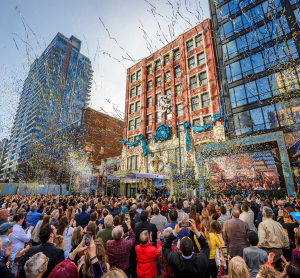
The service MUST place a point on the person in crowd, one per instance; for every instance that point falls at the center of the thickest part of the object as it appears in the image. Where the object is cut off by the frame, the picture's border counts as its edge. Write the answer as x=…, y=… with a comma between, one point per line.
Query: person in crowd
x=248, y=216
x=106, y=234
x=166, y=270
x=145, y=225
x=59, y=243
x=146, y=255
x=181, y=212
x=82, y=219
x=204, y=215
x=237, y=268
x=18, y=236
x=260, y=214
x=296, y=251
x=6, y=229
x=188, y=263
x=137, y=214
x=118, y=250
x=76, y=237
x=255, y=209
x=101, y=221
x=235, y=234
x=254, y=256
x=36, y=266
x=132, y=214
x=225, y=214
x=33, y=216
x=46, y=220
x=186, y=207
x=193, y=214
x=159, y=221
x=4, y=213
x=65, y=229
x=54, y=218
x=35, y=234
x=272, y=237
x=70, y=213
x=55, y=255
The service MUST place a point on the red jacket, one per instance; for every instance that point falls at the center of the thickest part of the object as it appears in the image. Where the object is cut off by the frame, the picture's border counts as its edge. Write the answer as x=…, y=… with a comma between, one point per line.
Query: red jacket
x=146, y=256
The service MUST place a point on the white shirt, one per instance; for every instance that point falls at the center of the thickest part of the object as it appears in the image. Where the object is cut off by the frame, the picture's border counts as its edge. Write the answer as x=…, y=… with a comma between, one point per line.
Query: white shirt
x=18, y=238
x=67, y=234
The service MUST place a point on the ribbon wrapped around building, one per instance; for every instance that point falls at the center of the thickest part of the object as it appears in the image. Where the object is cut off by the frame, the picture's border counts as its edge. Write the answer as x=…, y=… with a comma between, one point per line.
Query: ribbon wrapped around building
x=136, y=143
x=162, y=132
x=199, y=129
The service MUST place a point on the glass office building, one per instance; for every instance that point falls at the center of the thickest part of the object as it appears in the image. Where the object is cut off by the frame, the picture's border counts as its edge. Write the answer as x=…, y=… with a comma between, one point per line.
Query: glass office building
x=54, y=93
x=257, y=48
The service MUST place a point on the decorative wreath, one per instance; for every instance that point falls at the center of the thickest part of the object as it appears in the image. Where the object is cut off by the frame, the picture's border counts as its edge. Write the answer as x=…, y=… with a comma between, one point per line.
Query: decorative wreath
x=162, y=132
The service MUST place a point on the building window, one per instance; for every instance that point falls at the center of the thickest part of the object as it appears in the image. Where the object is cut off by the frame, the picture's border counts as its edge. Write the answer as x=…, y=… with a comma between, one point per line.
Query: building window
x=176, y=54
x=138, y=90
x=137, y=123
x=189, y=45
x=158, y=117
x=167, y=76
x=157, y=98
x=191, y=63
x=132, y=78
x=157, y=81
x=149, y=119
x=132, y=92
x=206, y=120
x=179, y=109
x=195, y=103
x=131, y=108
x=149, y=70
x=157, y=65
x=139, y=75
x=149, y=102
x=149, y=138
x=169, y=114
x=177, y=72
x=167, y=60
x=193, y=82
x=149, y=85
x=180, y=130
x=199, y=40
x=203, y=78
x=205, y=100
x=130, y=140
x=197, y=122
x=168, y=93
x=133, y=162
x=201, y=58
x=131, y=125
x=137, y=106
x=178, y=91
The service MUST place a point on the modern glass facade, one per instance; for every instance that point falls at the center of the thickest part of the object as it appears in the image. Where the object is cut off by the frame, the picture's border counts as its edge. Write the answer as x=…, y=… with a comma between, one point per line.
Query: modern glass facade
x=257, y=48
x=54, y=93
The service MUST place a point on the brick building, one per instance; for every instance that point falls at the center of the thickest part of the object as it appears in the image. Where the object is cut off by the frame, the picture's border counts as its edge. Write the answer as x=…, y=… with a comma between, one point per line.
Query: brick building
x=176, y=84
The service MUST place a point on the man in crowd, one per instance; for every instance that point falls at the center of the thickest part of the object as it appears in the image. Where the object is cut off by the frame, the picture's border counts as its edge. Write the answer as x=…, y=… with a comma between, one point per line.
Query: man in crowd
x=225, y=214
x=118, y=250
x=54, y=218
x=186, y=207
x=6, y=229
x=188, y=263
x=33, y=215
x=248, y=216
x=159, y=221
x=235, y=232
x=181, y=212
x=137, y=214
x=3, y=216
x=36, y=266
x=82, y=218
x=106, y=234
x=55, y=255
x=272, y=237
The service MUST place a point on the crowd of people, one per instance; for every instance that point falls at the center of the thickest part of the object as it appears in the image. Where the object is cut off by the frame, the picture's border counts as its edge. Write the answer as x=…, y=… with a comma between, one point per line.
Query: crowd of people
x=90, y=237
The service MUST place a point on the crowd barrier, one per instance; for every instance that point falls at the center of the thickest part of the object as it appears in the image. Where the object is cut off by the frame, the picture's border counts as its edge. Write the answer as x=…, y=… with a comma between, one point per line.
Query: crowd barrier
x=32, y=189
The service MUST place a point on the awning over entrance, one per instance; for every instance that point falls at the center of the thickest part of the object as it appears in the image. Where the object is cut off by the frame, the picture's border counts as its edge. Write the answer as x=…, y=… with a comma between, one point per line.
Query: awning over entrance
x=138, y=177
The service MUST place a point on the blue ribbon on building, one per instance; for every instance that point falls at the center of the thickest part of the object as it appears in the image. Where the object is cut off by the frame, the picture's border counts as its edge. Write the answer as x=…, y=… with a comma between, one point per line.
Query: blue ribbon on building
x=199, y=129
x=136, y=143
x=162, y=132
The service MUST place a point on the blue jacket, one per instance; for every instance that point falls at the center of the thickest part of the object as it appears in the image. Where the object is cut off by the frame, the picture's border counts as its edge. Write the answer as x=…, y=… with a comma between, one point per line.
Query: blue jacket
x=184, y=232
x=82, y=219
x=115, y=212
x=137, y=217
x=32, y=218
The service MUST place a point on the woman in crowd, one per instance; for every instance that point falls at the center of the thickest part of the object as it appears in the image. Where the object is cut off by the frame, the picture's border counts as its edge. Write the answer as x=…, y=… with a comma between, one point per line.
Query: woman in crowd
x=35, y=234
x=60, y=243
x=66, y=230
x=46, y=220
x=76, y=236
x=204, y=215
x=194, y=215
x=70, y=213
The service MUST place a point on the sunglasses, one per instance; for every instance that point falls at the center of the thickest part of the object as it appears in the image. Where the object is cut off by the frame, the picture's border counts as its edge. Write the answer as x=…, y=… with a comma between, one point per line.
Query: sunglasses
x=47, y=260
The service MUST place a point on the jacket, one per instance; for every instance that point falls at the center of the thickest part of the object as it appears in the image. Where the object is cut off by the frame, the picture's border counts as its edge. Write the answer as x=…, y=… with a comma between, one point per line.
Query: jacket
x=146, y=256
x=159, y=221
x=142, y=226
x=184, y=232
x=105, y=234
x=193, y=267
x=54, y=254
x=235, y=233
x=82, y=219
x=249, y=218
x=32, y=218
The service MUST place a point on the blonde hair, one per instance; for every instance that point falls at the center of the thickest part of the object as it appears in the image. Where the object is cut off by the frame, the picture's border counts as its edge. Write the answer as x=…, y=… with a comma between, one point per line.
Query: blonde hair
x=71, y=213
x=75, y=236
x=205, y=224
x=204, y=214
x=115, y=273
x=59, y=241
x=237, y=268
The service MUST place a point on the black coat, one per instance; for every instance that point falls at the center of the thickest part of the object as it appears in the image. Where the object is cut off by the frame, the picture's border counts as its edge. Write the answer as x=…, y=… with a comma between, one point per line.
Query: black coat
x=54, y=254
x=195, y=267
x=82, y=219
x=142, y=226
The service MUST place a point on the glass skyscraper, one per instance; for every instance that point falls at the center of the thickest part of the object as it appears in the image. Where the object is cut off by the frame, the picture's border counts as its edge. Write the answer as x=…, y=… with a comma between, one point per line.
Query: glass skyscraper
x=54, y=93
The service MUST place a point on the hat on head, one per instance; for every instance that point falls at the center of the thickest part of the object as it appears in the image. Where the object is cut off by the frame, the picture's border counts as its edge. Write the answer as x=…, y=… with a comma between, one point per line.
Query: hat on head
x=5, y=226
x=252, y=236
x=164, y=208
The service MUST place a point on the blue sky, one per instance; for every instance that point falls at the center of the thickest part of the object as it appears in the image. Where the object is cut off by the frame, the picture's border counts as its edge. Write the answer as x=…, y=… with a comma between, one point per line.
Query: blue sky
x=124, y=20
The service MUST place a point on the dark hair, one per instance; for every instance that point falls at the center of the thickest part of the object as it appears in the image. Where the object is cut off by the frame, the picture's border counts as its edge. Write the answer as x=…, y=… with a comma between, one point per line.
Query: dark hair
x=193, y=213
x=46, y=220
x=223, y=210
x=245, y=207
x=91, y=228
x=179, y=205
x=93, y=216
x=122, y=218
x=186, y=246
x=132, y=213
x=173, y=215
x=105, y=213
x=156, y=211
x=17, y=217
x=45, y=233
x=41, y=217
x=62, y=224
x=144, y=215
x=84, y=208
x=252, y=204
x=144, y=205
x=292, y=270
x=199, y=208
x=116, y=220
